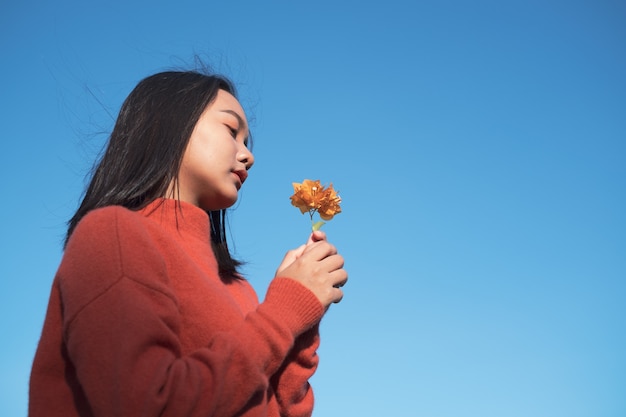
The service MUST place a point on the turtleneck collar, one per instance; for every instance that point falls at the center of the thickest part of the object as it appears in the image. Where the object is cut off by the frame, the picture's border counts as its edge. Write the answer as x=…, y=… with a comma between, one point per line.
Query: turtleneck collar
x=183, y=217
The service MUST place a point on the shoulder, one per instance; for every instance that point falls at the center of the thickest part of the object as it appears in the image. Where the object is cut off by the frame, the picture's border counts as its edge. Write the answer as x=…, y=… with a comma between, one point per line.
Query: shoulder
x=108, y=245
x=105, y=223
x=108, y=234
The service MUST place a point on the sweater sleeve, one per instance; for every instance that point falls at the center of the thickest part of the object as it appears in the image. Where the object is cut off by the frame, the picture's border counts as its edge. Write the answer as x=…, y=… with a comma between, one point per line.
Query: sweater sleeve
x=122, y=322
x=291, y=382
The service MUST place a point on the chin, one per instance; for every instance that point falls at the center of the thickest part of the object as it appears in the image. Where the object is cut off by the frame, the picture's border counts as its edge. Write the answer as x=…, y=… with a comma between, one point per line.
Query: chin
x=214, y=205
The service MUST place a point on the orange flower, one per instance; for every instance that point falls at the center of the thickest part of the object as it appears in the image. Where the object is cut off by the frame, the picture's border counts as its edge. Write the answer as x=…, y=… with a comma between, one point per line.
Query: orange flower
x=311, y=197
x=329, y=204
x=306, y=195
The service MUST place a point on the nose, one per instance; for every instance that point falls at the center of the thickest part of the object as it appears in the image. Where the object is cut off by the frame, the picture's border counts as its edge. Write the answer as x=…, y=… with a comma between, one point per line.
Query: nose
x=245, y=156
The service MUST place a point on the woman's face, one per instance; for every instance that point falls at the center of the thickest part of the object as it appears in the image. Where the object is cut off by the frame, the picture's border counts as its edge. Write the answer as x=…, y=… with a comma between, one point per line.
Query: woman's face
x=216, y=161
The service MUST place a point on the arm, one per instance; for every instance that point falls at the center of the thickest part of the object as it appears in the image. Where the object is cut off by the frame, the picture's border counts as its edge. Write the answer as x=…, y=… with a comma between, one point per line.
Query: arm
x=291, y=382
x=121, y=332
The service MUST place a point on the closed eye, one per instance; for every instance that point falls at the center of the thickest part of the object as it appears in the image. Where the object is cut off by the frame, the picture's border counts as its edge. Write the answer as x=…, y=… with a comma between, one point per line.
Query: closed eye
x=233, y=131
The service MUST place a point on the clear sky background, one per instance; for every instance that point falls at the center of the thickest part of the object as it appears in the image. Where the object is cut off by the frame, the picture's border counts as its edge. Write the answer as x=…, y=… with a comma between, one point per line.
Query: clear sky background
x=479, y=147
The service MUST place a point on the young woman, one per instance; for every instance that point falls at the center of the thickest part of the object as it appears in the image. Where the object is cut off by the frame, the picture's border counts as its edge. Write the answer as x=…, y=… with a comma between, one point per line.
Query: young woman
x=148, y=315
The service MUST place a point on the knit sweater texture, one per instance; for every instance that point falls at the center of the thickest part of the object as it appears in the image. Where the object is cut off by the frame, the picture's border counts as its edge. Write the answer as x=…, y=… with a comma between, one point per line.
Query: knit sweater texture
x=139, y=323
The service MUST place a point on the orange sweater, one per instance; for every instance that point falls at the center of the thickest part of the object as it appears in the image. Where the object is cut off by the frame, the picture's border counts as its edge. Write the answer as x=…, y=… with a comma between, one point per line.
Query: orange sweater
x=140, y=324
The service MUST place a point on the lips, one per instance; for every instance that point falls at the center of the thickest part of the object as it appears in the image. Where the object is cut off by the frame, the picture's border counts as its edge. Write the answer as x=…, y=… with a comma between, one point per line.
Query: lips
x=242, y=174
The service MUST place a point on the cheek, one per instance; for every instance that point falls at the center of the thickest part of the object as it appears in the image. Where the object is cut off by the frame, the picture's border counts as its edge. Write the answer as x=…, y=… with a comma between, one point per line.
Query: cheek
x=198, y=154
x=193, y=166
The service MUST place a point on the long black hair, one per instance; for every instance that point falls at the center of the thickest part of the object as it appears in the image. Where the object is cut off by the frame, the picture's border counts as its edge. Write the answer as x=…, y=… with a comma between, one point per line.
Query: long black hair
x=146, y=147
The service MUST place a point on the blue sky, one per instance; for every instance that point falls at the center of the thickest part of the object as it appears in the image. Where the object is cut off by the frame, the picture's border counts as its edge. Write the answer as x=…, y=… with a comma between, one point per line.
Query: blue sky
x=479, y=147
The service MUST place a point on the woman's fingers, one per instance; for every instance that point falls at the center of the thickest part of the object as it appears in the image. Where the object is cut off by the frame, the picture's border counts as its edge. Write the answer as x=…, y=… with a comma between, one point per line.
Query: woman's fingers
x=290, y=257
x=319, y=267
x=338, y=277
x=319, y=250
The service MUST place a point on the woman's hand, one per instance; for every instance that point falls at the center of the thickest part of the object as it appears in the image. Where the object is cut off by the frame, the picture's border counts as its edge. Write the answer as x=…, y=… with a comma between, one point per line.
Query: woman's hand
x=317, y=266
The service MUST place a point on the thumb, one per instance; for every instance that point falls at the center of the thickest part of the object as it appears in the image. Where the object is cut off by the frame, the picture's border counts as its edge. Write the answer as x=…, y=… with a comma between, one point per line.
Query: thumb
x=316, y=236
